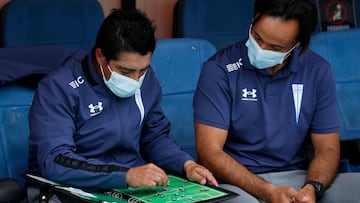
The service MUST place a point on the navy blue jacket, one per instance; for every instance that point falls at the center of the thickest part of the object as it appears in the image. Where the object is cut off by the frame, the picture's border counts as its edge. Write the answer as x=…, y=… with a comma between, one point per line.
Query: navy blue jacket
x=83, y=135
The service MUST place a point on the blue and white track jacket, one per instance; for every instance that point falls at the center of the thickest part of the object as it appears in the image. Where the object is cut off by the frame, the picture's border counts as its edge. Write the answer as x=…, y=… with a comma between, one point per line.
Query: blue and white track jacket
x=81, y=134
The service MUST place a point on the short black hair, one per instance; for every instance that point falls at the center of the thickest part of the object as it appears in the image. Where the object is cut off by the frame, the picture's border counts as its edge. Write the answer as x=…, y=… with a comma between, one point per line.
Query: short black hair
x=125, y=30
x=304, y=11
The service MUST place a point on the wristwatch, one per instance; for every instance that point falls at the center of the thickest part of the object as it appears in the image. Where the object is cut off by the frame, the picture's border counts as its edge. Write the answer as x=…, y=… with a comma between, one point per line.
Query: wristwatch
x=319, y=188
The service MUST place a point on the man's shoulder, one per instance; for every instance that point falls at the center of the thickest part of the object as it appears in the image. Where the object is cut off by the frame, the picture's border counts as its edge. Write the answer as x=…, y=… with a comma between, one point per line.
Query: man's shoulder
x=230, y=52
x=230, y=58
x=64, y=74
x=310, y=57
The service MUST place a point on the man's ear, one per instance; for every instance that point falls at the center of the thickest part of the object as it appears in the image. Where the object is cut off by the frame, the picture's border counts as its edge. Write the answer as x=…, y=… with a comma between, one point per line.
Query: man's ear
x=100, y=58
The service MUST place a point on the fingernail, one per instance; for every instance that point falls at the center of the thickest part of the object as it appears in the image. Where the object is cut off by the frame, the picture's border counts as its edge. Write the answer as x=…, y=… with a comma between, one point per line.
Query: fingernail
x=305, y=198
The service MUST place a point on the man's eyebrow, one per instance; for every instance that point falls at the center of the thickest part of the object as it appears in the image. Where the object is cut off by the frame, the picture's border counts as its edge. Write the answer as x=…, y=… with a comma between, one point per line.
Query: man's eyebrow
x=256, y=34
x=124, y=68
x=129, y=69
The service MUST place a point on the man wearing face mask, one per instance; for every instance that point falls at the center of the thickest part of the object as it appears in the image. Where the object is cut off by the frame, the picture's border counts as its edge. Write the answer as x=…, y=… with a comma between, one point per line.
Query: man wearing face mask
x=258, y=99
x=97, y=122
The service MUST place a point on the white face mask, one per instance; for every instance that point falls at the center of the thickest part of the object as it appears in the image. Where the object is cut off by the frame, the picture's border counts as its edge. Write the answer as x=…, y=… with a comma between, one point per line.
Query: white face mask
x=120, y=85
x=261, y=58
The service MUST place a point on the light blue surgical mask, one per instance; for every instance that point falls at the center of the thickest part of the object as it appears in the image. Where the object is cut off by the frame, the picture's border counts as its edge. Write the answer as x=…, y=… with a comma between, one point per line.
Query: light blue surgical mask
x=262, y=58
x=120, y=85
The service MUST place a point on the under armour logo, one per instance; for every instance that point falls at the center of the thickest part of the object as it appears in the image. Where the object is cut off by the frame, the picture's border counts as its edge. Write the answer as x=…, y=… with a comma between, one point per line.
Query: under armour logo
x=249, y=94
x=95, y=109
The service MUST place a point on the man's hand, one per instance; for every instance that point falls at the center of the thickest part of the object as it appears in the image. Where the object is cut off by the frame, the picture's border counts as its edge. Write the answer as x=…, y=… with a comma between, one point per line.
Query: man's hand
x=282, y=194
x=287, y=194
x=198, y=173
x=306, y=195
x=148, y=175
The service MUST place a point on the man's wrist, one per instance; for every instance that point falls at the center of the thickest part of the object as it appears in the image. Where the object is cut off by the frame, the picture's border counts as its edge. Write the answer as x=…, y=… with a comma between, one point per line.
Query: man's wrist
x=318, y=188
x=189, y=164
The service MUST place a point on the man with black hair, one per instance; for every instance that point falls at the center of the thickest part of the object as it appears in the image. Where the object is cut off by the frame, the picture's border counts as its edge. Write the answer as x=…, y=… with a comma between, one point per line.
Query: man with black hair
x=97, y=122
x=258, y=99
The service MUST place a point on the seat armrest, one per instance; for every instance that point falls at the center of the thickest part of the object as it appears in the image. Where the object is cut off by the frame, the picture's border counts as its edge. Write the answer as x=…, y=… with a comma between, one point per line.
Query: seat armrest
x=10, y=190
x=350, y=149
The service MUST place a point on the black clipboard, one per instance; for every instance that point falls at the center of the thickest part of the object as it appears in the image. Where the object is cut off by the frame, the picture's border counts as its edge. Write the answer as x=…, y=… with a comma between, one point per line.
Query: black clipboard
x=179, y=191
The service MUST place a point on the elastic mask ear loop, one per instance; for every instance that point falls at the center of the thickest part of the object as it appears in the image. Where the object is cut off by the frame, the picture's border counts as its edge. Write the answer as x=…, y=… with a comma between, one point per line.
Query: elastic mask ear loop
x=108, y=67
x=102, y=70
x=289, y=52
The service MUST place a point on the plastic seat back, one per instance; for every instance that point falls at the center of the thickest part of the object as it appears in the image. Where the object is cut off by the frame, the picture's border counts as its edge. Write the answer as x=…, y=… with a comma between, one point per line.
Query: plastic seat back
x=177, y=63
x=341, y=49
x=14, y=130
x=55, y=22
x=20, y=70
x=220, y=22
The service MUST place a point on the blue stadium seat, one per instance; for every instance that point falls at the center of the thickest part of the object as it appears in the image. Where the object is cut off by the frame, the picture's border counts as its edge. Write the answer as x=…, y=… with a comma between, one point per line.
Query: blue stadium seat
x=14, y=130
x=177, y=63
x=55, y=22
x=220, y=22
x=20, y=70
x=341, y=49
